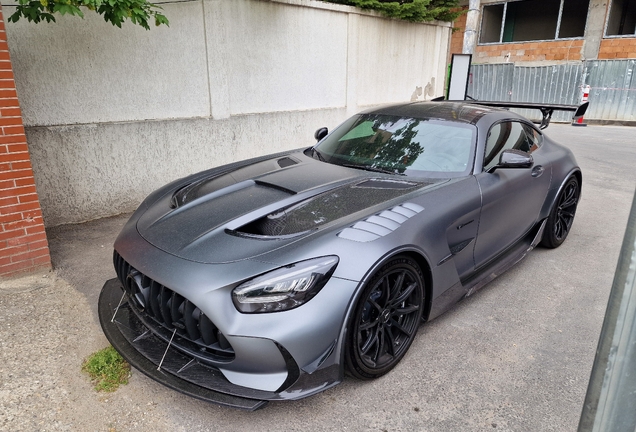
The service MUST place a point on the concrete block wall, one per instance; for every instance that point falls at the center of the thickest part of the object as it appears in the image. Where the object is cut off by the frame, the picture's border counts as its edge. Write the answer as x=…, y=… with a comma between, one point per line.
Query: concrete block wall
x=111, y=114
x=23, y=243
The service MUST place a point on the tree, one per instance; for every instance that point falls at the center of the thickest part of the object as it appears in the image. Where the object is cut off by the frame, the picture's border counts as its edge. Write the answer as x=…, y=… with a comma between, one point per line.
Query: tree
x=114, y=11
x=409, y=10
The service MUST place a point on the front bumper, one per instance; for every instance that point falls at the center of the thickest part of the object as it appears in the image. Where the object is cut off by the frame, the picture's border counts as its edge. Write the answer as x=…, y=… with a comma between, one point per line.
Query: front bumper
x=162, y=362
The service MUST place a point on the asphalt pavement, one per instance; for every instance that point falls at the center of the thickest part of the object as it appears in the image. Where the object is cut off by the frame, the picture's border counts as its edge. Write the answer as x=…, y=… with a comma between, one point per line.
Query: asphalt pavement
x=516, y=356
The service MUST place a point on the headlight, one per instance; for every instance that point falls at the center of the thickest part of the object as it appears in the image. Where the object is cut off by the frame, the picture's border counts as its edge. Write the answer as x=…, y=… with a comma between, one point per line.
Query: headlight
x=284, y=288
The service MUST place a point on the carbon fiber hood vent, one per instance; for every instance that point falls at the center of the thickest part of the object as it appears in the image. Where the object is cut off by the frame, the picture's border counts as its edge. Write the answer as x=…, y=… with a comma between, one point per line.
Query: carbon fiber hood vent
x=328, y=207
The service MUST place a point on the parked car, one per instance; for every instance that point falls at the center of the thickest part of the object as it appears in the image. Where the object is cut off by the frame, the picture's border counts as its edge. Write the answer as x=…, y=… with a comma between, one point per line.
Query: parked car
x=267, y=279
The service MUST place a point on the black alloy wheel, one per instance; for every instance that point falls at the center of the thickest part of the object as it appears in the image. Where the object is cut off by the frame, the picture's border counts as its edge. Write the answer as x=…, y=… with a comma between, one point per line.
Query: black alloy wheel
x=386, y=319
x=562, y=215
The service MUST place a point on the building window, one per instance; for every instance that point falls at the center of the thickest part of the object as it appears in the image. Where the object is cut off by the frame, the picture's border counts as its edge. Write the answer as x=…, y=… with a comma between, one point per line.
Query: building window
x=622, y=18
x=529, y=20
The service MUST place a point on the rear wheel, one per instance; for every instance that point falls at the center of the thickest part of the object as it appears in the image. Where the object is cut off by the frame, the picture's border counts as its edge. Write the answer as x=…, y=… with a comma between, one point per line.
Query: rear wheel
x=385, y=319
x=562, y=215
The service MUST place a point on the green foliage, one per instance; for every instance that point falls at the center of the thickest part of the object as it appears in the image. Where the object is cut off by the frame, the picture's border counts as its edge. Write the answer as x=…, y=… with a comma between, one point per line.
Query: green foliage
x=113, y=11
x=409, y=10
x=107, y=369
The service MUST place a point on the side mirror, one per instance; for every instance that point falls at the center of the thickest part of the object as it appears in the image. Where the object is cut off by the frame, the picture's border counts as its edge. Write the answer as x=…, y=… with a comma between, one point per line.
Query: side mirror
x=513, y=159
x=321, y=133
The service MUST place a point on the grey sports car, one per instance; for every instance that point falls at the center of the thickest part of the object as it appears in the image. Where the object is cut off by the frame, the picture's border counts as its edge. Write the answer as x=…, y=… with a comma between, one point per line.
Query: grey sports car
x=267, y=279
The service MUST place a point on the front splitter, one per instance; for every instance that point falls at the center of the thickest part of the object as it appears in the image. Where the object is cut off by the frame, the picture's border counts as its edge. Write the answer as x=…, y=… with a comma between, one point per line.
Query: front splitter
x=109, y=309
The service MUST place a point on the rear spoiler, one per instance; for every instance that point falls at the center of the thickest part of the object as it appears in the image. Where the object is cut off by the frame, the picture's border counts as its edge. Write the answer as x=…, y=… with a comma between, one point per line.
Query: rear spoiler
x=546, y=109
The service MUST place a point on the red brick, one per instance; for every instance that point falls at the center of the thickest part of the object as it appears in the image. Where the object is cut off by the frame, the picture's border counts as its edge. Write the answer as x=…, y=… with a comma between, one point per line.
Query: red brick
x=40, y=235
x=20, y=166
x=27, y=180
x=10, y=102
x=7, y=84
x=17, y=148
x=28, y=198
x=16, y=268
x=12, y=139
x=10, y=112
x=7, y=93
x=43, y=260
x=38, y=245
x=8, y=201
x=10, y=121
x=4, y=149
x=14, y=157
x=6, y=75
x=6, y=219
x=36, y=230
x=5, y=65
x=33, y=214
x=4, y=56
x=10, y=236
x=18, y=208
x=29, y=255
x=15, y=175
x=7, y=184
x=5, y=261
x=23, y=223
x=13, y=130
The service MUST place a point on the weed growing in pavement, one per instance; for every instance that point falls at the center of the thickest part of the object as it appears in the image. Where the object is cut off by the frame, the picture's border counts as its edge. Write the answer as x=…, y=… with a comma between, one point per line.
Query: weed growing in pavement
x=107, y=369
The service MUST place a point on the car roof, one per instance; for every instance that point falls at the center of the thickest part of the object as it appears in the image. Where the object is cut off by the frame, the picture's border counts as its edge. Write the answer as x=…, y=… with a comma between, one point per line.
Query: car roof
x=463, y=112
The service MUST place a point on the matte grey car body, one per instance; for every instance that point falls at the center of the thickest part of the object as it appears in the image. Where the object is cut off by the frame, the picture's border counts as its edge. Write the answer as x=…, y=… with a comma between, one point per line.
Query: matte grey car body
x=189, y=256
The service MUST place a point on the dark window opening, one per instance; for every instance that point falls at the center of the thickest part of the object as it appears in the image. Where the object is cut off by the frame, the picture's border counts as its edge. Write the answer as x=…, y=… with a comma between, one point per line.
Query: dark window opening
x=531, y=20
x=622, y=18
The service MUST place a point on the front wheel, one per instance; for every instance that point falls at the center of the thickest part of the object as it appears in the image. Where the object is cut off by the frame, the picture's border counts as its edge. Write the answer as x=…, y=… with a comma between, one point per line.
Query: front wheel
x=385, y=320
x=562, y=215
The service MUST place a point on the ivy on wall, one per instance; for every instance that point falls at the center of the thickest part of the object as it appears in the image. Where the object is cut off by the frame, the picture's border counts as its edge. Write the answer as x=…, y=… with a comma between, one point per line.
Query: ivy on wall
x=409, y=10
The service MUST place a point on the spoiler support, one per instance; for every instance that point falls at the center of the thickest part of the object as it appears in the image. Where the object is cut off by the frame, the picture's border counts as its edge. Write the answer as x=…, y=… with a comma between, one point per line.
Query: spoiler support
x=546, y=109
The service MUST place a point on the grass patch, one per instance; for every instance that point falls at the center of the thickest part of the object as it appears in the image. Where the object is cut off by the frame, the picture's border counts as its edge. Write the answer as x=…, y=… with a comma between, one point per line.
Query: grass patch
x=107, y=369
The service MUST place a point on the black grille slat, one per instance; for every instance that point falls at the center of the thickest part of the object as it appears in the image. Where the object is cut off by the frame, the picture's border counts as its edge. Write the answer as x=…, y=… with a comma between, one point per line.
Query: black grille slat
x=156, y=303
x=208, y=330
x=166, y=297
x=155, y=292
x=191, y=321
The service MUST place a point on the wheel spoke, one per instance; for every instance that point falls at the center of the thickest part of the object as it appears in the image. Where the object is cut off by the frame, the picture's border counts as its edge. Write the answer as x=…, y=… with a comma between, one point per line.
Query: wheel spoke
x=391, y=345
x=397, y=286
x=402, y=297
x=406, y=310
x=381, y=347
x=371, y=341
x=399, y=326
x=368, y=325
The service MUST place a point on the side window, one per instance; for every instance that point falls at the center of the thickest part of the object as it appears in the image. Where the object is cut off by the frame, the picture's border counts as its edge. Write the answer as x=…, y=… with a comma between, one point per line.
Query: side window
x=509, y=135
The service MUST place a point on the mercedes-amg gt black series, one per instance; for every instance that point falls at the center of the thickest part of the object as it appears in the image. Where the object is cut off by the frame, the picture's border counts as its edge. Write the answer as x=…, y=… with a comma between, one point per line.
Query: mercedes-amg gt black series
x=267, y=279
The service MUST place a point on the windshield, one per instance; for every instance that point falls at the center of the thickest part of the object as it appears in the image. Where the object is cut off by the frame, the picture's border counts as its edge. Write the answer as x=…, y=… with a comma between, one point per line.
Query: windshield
x=401, y=145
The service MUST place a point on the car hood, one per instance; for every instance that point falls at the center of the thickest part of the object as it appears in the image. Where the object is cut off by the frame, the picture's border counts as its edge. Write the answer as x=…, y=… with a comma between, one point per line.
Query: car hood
x=241, y=213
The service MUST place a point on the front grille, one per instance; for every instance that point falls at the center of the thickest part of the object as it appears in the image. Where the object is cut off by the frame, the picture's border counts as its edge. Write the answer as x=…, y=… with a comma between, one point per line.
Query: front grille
x=163, y=310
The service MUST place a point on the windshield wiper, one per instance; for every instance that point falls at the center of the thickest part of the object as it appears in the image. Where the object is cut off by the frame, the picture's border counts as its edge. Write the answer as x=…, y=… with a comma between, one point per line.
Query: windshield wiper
x=317, y=154
x=371, y=168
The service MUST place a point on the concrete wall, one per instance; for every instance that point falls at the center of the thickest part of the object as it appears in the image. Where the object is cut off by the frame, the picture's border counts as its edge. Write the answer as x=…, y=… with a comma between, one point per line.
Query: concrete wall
x=111, y=114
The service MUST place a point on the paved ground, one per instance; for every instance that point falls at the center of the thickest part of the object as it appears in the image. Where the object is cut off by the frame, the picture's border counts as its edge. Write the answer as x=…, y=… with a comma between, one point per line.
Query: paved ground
x=515, y=357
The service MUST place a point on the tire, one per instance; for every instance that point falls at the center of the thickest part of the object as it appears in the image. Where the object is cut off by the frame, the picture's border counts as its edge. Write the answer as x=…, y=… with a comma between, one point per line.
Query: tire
x=562, y=215
x=385, y=319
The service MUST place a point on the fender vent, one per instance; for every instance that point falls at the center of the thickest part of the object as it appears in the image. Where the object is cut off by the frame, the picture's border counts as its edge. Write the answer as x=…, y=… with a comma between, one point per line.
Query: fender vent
x=381, y=224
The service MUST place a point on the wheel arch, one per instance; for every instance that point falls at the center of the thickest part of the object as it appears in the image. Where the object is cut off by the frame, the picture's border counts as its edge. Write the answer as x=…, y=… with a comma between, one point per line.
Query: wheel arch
x=551, y=199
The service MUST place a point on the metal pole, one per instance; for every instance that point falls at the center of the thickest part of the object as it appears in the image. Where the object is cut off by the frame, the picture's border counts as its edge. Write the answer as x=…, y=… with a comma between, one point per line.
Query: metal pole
x=610, y=403
x=472, y=24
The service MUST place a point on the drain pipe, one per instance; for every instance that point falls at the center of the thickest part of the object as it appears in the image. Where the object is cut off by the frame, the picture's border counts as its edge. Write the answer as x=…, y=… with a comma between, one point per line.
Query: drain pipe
x=472, y=23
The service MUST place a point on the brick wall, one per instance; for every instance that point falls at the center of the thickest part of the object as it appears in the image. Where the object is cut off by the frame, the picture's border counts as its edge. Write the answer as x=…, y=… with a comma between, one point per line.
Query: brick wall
x=618, y=48
x=457, y=38
x=518, y=52
x=23, y=244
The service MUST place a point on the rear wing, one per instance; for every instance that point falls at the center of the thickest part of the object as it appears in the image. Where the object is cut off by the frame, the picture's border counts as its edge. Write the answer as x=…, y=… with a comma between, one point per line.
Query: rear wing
x=546, y=109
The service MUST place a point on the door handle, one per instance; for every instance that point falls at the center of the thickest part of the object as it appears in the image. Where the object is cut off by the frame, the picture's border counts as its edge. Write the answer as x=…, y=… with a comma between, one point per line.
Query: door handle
x=537, y=171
